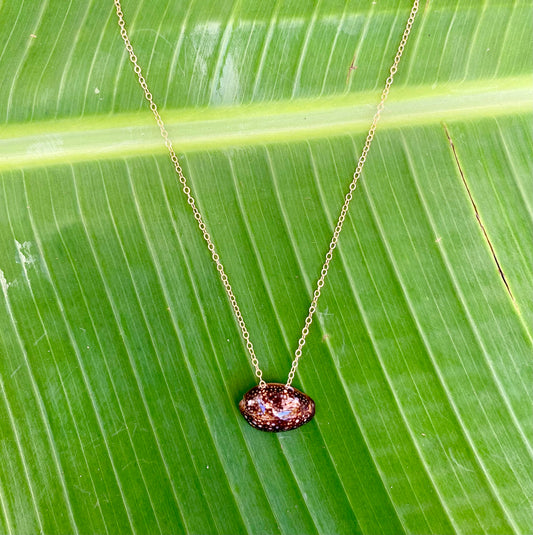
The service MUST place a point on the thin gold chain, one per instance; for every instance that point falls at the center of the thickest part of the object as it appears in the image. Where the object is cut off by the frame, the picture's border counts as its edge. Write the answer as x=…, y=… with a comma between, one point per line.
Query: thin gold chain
x=198, y=216
x=348, y=196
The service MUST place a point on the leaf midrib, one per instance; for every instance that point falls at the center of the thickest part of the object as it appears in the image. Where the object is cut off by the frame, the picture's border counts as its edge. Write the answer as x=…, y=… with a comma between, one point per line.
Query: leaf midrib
x=195, y=129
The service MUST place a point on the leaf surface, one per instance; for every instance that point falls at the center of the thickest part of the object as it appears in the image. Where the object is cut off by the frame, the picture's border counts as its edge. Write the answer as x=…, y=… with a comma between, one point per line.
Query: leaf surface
x=122, y=364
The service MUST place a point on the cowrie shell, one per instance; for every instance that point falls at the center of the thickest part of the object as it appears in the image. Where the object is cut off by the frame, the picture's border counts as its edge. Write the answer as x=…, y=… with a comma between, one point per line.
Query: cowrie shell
x=276, y=407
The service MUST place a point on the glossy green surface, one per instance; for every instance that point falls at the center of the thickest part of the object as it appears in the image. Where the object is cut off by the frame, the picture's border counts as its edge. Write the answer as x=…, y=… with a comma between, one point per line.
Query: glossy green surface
x=121, y=363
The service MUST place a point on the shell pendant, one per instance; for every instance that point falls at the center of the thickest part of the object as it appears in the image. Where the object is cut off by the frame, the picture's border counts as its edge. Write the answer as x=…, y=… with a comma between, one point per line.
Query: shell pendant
x=276, y=407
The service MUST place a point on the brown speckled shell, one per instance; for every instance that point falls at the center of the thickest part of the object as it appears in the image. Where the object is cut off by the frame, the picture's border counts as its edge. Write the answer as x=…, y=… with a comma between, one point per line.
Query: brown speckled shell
x=276, y=407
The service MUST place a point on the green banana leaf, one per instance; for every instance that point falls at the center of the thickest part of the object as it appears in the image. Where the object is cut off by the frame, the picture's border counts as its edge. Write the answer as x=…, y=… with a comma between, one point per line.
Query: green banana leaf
x=121, y=361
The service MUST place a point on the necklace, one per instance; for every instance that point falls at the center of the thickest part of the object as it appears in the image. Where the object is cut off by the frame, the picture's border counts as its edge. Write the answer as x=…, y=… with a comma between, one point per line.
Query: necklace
x=270, y=406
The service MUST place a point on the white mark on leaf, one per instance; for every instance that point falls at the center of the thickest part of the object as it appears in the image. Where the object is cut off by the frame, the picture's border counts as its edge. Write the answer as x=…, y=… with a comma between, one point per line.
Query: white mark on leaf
x=228, y=88
x=325, y=314
x=457, y=463
x=39, y=339
x=4, y=284
x=204, y=39
x=25, y=257
x=49, y=144
x=15, y=370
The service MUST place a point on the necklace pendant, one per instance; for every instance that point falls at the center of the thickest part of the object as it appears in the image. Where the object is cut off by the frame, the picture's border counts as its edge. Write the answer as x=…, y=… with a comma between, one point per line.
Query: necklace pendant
x=276, y=407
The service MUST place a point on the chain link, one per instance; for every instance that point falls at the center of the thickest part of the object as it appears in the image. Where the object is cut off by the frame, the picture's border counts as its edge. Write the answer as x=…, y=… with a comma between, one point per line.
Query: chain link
x=198, y=216
x=187, y=191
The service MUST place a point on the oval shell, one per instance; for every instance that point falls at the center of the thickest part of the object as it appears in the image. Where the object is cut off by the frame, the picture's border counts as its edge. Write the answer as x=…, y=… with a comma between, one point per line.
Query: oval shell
x=276, y=407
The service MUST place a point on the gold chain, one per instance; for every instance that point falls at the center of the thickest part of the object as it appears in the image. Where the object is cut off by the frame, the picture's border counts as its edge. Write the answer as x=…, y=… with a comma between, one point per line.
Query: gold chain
x=348, y=196
x=198, y=216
